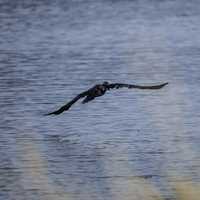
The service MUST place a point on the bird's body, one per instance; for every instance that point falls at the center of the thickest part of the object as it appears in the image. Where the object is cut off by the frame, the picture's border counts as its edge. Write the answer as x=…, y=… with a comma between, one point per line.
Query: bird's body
x=99, y=90
x=96, y=91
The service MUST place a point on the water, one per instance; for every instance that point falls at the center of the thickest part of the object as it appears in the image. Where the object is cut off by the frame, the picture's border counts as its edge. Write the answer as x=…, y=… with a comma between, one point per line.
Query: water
x=120, y=143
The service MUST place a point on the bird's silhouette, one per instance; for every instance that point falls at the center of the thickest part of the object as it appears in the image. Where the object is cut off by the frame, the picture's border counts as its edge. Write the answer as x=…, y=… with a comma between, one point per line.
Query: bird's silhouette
x=99, y=90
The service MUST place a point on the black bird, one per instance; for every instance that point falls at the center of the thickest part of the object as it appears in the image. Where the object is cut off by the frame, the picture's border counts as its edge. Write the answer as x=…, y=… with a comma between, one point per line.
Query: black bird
x=99, y=90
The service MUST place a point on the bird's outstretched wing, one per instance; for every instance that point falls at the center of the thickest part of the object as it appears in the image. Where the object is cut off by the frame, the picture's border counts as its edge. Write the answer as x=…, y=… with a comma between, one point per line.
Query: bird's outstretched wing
x=68, y=105
x=148, y=87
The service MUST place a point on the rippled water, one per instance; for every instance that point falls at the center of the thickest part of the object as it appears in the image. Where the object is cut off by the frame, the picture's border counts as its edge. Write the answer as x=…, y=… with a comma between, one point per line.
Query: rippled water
x=127, y=140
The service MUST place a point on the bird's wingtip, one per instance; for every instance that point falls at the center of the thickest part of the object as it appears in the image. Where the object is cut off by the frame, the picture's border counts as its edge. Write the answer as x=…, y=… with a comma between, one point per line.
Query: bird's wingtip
x=47, y=114
x=57, y=112
x=51, y=113
x=164, y=84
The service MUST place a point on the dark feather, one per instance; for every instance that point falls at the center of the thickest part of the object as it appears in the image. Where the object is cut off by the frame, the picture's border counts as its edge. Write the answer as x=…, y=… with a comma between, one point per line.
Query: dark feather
x=88, y=98
x=100, y=90
x=68, y=105
x=121, y=85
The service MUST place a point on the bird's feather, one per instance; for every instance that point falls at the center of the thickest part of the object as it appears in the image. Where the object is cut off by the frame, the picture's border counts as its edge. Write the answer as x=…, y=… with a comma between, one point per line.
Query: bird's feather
x=88, y=98
x=68, y=105
x=97, y=91
x=148, y=87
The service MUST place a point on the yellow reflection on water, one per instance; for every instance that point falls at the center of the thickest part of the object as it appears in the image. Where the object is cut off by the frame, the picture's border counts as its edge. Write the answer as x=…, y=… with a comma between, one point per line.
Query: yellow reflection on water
x=187, y=191
x=35, y=177
x=35, y=173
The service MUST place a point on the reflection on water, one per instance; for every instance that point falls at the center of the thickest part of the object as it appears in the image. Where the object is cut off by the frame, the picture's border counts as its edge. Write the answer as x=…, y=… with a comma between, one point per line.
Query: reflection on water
x=120, y=143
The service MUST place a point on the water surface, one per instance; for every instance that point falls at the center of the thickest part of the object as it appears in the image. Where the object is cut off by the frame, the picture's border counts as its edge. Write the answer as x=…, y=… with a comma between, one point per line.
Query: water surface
x=124, y=141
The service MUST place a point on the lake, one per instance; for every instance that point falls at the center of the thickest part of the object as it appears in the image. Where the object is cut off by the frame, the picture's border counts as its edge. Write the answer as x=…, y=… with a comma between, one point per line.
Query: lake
x=127, y=144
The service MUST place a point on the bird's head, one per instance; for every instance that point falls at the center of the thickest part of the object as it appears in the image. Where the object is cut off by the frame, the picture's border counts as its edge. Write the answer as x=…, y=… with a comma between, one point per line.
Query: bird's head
x=105, y=83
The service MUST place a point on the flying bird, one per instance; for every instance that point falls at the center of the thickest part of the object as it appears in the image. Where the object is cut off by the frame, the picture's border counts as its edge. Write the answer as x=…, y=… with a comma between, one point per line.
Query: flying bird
x=99, y=90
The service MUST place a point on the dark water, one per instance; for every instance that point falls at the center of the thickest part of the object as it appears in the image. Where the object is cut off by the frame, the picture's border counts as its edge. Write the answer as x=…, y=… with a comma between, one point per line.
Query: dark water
x=120, y=143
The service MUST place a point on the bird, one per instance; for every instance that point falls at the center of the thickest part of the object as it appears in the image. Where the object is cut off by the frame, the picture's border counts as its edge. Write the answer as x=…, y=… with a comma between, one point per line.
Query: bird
x=99, y=90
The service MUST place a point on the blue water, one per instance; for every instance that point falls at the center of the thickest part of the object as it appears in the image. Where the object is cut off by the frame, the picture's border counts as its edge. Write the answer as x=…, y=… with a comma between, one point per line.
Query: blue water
x=51, y=51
